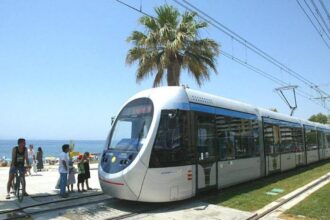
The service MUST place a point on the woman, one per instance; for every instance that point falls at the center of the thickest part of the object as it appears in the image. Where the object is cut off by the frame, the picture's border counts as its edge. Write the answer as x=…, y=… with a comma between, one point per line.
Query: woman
x=40, y=164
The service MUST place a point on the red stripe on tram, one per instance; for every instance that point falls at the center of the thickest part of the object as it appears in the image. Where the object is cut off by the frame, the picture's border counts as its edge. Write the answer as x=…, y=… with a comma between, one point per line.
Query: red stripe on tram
x=113, y=183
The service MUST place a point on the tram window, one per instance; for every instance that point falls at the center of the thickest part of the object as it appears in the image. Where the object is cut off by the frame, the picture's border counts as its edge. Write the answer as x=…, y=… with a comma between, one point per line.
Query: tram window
x=282, y=138
x=321, y=138
x=297, y=136
x=271, y=138
x=325, y=141
x=237, y=137
x=328, y=139
x=132, y=126
x=291, y=139
x=311, y=139
x=205, y=142
x=171, y=146
x=286, y=139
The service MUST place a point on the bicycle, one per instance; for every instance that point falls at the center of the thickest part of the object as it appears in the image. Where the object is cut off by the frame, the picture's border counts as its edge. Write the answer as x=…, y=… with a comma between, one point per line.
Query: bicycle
x=17, y=185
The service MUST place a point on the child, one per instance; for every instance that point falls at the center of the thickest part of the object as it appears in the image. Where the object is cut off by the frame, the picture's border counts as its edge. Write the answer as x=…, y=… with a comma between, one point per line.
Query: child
x=81, y=173
x=71, y=177
x=87, y=170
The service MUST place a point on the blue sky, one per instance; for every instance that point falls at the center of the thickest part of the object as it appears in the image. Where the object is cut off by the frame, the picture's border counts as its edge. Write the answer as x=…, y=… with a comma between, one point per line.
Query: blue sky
x=63, y=72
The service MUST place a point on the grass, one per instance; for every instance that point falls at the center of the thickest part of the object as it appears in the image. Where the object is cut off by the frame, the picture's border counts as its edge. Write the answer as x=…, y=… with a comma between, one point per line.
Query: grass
x=316, y=206
x=252, y=196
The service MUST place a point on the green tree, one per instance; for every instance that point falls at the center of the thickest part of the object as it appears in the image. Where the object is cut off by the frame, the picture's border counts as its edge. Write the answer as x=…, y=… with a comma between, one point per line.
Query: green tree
x=273, y=109
x=171, y=43
x=320, y=118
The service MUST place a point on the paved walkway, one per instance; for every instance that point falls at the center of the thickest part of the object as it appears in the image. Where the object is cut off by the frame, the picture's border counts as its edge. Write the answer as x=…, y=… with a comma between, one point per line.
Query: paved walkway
x=40, y=184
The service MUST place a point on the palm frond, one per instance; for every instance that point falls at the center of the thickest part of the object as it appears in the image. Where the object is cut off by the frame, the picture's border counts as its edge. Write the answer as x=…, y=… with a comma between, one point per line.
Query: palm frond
x=170, y=43
x=167, y=14
x=149, y=23
x=137, y=38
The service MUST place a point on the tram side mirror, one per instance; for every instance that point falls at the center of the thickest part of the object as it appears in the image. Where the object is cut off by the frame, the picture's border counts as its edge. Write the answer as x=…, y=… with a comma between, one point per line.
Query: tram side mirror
x=113, y=119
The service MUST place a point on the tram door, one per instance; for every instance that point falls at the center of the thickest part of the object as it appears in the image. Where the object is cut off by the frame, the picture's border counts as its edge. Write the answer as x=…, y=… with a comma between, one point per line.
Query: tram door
x=272, y=147
x=205, y=133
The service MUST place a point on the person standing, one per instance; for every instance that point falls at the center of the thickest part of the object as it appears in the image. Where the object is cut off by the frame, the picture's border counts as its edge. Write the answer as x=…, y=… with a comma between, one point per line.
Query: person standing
x=40, y=163
x=81, y=174
x=63, y=170
x=19, y=159
x=31, y=157
x=87, y=169
x=71, y=174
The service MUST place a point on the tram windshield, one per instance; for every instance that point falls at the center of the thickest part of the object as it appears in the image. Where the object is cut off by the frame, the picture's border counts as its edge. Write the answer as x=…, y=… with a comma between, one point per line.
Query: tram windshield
x=132, y=126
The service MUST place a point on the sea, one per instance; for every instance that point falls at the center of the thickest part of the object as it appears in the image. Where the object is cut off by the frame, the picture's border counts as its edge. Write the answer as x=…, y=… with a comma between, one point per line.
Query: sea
x=52, y=148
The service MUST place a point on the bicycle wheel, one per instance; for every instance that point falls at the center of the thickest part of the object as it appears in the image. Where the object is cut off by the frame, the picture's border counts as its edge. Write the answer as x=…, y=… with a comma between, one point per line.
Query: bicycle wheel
x=13, y=186
x=19, y=188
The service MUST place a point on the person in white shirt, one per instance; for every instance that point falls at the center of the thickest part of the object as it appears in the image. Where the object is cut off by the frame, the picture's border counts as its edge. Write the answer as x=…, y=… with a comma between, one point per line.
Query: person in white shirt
x=63, y=170
x=31, y=157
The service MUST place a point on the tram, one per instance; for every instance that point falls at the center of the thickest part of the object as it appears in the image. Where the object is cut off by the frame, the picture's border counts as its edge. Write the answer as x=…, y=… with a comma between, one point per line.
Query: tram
x=171, y=143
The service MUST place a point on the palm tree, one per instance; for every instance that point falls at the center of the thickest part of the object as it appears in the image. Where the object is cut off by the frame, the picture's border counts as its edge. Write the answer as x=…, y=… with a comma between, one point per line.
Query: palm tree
x=170, y=44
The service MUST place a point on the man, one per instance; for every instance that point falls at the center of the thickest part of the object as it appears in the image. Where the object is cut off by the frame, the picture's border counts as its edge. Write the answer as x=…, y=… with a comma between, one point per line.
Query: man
x=19, y=159
x=63, y=170
x=31, y=157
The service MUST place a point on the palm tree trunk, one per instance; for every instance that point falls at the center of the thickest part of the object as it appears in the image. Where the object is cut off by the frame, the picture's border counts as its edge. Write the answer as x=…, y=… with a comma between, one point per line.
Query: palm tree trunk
x=173, y=74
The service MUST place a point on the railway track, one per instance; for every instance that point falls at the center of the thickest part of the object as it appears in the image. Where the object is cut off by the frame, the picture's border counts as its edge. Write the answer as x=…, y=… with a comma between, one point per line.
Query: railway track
x=285, y=201
x=42, y=207
x=52, y=202
x=113, y=209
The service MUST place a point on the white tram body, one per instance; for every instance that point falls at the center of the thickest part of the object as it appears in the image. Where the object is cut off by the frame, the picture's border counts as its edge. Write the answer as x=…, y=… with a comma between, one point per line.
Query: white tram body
x=170, y=143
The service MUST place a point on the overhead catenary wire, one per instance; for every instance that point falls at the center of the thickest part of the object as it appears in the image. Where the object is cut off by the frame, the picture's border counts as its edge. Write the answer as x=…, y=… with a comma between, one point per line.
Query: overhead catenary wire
x=325, y=10
x=253, y=68
x=243, y=41
x=311, y=21
x=244, y=63
x=238, y=38
x=226, y=54
x=135, y=9
x=318, y=21
x=268, y=76
x=320, y=16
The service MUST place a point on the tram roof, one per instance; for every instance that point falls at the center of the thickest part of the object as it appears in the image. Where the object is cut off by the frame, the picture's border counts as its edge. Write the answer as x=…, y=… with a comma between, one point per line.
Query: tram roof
x=202, y=98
